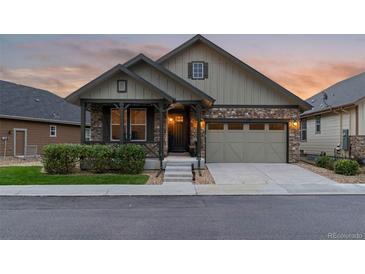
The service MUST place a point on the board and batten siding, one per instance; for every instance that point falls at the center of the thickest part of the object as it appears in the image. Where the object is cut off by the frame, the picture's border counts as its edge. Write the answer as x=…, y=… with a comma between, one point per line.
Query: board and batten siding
x=228, y=83
x=331, y=132
x=165, y=83
x=108, y=90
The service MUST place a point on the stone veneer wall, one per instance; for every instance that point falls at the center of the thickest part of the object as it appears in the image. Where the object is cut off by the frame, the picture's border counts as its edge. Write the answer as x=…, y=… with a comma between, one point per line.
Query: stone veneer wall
x=157, y=131
x=96, y=124
x=263, y=113
x=358, y=146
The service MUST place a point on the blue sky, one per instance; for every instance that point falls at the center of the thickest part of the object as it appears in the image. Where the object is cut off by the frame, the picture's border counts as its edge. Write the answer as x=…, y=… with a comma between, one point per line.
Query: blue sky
x=304, y=64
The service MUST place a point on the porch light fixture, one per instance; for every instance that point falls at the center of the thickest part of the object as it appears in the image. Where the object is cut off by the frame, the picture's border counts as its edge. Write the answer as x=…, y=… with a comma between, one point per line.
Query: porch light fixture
x=294, y=122
x=171, y=120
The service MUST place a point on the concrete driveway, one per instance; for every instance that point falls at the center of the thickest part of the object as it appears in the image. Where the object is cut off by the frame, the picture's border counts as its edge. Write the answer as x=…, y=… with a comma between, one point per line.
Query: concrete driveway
x=273, y=179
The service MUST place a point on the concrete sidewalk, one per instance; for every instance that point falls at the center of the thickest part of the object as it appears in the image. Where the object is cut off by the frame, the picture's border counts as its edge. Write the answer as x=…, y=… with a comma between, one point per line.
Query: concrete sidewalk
x=180, y=189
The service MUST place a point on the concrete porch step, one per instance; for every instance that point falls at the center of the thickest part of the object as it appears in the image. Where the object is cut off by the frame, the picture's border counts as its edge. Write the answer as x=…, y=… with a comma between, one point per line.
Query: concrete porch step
x=178, y=168
x=177, y=179
x=179, y=174
x=178, y=163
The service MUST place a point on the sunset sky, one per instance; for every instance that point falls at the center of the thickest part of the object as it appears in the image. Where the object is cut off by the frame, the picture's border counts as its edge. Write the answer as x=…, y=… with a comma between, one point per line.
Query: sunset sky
x=304, y=64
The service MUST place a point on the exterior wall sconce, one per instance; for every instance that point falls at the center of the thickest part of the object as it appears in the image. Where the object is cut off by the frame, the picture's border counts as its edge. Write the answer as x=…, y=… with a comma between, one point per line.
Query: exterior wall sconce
x=171, y=120
x=294, y=124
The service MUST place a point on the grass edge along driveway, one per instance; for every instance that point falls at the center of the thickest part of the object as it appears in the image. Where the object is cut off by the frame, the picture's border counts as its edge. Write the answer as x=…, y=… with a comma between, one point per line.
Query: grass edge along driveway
x=32, y=175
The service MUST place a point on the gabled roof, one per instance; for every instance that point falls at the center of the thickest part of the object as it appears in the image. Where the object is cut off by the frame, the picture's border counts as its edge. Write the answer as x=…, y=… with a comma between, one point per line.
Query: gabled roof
x=199, y=38
x=142, y=58
x=343, y=93
x=74, y=97
x=32, y=104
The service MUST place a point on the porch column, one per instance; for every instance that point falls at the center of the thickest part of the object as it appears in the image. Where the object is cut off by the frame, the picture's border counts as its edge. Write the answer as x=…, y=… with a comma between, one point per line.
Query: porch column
x=121, y=110
x=198, y=135
x=162, y=139
x=82, y=121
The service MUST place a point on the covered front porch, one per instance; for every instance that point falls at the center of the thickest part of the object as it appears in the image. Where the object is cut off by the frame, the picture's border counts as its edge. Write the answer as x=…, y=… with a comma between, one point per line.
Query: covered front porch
x=167, y=131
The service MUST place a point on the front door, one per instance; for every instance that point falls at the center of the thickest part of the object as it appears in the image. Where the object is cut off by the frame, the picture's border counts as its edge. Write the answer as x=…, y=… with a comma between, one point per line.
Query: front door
x=178, y=130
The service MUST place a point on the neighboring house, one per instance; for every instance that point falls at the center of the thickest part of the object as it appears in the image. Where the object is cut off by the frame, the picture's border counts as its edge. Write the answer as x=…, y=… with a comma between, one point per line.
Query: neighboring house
x=198, y=98
x=31, y=118
x=336, y=123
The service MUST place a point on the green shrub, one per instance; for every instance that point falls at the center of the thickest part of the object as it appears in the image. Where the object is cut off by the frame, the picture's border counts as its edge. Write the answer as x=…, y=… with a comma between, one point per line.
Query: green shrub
x=129, y=159
x=324, y=161
x=99, y=157
x=346, y=167
x=60, y=158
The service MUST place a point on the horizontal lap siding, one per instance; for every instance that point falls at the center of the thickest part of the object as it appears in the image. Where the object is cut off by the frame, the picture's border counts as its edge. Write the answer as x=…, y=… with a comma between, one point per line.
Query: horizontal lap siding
x=108, y=90
x=38, y=134
x=361, y=113
x=227, y=82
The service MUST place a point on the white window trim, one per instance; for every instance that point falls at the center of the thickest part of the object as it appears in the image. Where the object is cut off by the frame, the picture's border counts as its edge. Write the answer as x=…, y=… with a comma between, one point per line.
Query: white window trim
x=89, y=133
x=111, y=125
x=192, y=70
x=55, y=131
x=315, y=125
x=302, y=130
x=145, y=124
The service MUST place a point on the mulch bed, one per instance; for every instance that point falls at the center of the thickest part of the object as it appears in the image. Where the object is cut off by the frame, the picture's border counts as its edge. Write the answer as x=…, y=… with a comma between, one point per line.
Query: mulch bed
x=153, y=180
x=205, y=179
x=358, y=179
x=15, y=161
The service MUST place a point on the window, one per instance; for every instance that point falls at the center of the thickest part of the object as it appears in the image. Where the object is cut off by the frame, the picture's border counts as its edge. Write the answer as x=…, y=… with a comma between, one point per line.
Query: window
x=303, y=130
x=115, y=124
x=122, y=85
x=235, y=126
x=138, y=121
x=276, y=126
x=198, y=70
x=88, y=134
x=215, y=126
x=52, y=131
x=257, y=126
x=318, y=125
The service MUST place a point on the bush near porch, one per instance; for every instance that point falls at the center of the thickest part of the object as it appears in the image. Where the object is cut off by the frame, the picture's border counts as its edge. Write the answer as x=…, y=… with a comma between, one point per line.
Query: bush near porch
x=64, y=158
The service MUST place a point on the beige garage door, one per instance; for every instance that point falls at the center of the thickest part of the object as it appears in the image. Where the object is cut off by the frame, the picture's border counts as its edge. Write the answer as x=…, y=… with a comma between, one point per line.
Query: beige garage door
x=246, y=143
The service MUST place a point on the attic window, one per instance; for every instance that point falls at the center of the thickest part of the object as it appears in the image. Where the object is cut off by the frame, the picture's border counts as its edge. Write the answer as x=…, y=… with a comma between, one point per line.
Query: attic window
x=198, y=70
x=122, y=85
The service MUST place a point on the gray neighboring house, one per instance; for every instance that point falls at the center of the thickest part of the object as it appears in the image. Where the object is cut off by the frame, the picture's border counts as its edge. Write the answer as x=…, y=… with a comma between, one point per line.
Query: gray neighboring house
x=198, y=98
x=336, y=123
x=31, y=118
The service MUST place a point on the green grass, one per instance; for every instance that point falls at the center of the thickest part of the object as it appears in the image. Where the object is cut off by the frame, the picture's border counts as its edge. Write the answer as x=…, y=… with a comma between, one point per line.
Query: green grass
x=31, y=175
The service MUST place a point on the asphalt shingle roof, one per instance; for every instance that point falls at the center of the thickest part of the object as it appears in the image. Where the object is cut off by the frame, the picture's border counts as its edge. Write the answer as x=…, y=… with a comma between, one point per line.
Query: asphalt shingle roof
x=342, y=93
x=23, y=101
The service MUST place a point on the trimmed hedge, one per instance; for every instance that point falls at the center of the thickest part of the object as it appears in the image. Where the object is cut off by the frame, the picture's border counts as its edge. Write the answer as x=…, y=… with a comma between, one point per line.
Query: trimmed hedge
x=129, y=159
x=63, y=158
x=60, y=158
x=347, y=167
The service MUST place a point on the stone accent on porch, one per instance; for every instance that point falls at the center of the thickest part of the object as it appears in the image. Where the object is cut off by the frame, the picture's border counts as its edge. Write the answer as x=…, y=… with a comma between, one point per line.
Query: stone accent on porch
x=96, y=124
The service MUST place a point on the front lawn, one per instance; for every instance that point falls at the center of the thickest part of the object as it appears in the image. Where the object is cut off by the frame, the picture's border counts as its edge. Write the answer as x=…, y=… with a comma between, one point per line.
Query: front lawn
x=31, y=175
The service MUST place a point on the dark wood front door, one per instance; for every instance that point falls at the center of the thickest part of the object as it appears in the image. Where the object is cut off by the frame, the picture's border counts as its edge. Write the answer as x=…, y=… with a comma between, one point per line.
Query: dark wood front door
x=178, y=130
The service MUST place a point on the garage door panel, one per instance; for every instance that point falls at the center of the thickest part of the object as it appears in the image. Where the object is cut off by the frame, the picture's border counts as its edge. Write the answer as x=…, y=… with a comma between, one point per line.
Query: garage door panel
x=233, y=153
x=215, y=152
x=245, y=145
x=275, y=152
